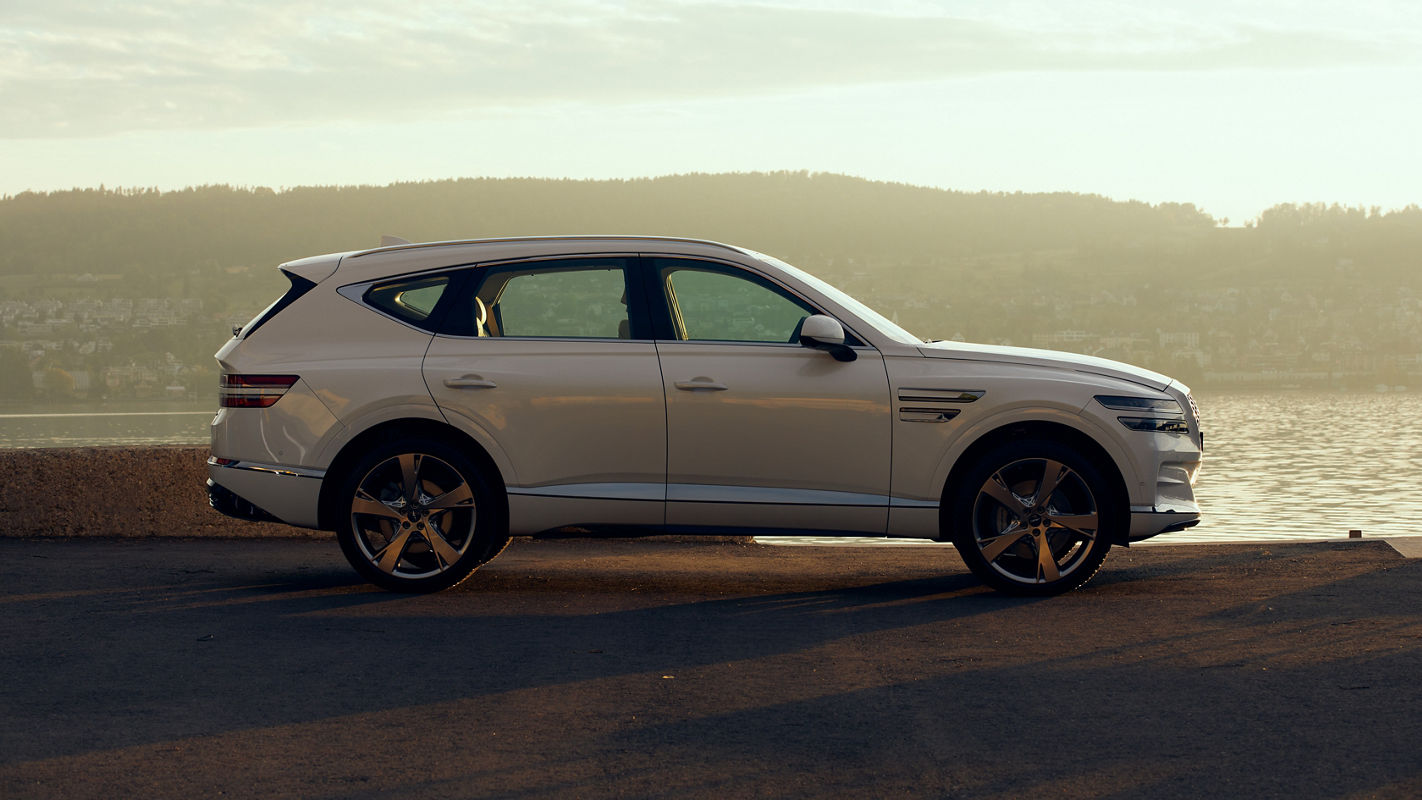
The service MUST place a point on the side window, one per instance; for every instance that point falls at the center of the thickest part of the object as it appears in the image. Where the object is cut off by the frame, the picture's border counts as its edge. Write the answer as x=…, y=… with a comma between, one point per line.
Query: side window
x=410, y=299
x=582, y=299
x=716, y=305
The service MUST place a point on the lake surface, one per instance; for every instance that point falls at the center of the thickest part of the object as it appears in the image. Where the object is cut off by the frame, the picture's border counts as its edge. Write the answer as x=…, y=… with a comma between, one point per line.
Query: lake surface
x=1278, y=466
x=1308, y=465
x=85, y=426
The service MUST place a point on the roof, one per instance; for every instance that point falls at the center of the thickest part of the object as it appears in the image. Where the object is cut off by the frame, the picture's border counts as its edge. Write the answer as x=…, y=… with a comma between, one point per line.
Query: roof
x=542, y=239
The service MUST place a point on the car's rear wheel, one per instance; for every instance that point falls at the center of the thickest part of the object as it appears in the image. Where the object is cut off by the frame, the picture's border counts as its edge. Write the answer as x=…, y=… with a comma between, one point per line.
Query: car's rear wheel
x=1034, y=517
x=417, y=515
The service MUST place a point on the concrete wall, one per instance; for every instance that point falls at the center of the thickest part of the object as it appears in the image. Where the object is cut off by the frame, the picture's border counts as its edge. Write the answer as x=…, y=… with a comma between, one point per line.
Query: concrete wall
x=116, y=491
x=129, y=492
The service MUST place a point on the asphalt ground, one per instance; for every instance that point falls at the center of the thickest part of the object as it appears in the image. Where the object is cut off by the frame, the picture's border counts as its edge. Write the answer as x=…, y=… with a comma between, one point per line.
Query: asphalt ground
x=621, y=668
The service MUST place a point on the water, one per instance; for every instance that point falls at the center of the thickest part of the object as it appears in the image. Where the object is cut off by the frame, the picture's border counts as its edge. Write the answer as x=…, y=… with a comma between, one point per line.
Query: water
x=1278, y=466
x=84, y=426
x=1309, y=465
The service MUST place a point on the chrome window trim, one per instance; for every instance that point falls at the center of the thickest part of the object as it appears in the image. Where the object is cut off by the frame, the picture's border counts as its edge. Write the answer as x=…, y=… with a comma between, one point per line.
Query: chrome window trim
x=736, y=342
x=715, y=342
x=545, y=338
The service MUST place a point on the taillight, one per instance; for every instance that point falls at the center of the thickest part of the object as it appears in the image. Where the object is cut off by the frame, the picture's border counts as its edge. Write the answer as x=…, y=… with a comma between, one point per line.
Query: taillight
x=252, y=391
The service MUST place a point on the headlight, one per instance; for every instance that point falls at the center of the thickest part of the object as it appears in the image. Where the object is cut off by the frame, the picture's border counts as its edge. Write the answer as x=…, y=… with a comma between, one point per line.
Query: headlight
x=1140, y=404
x=1166, y=415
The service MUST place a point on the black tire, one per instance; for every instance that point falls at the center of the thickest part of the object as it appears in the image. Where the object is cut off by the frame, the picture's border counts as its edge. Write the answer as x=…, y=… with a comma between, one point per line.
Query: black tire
x=418, y=515
x=1001, y=525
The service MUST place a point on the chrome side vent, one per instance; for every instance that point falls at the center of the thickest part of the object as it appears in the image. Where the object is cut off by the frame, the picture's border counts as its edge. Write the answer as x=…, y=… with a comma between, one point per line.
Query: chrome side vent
x=934, y=405
x=927, y=414
x=939, y=395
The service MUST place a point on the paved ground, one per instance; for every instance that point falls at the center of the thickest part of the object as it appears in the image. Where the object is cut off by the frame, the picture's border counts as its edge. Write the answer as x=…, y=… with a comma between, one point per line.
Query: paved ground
x=1408, y=546
x=655, y=669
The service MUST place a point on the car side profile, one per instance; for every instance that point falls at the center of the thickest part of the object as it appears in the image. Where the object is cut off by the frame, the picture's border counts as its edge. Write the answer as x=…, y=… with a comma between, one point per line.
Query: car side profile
x=429, y=401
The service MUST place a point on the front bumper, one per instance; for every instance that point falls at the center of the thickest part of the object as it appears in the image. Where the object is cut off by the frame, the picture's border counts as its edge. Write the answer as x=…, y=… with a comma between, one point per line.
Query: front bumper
x=1173, y=460
x=1146, y=523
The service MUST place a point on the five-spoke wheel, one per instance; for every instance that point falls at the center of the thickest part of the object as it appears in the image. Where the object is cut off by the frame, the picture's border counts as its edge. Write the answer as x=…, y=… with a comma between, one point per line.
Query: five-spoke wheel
x=418, y=516
x=1034, y=517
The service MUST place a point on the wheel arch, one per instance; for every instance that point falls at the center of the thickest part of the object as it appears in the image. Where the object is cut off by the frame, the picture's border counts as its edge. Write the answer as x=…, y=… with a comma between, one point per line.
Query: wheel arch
x=1041, y=429
x=395, y=430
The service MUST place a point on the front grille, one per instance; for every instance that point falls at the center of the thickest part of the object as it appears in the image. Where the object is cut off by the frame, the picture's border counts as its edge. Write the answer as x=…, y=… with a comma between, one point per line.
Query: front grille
x=1195, y=416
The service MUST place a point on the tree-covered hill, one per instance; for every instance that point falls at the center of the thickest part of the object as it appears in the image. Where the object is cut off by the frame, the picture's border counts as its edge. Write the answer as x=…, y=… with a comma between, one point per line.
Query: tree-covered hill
x=791, y=214
x=1323, y=292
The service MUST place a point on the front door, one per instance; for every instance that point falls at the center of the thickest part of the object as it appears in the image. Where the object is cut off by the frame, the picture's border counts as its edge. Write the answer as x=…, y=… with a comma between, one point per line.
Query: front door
x=761, y=431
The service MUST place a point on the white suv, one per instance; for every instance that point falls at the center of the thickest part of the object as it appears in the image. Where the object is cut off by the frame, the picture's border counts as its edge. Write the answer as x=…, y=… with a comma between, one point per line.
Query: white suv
x=429, y=401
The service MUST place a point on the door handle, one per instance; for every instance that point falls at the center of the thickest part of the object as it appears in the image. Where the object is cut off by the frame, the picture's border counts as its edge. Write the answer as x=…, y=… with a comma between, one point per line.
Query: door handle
x=469, y=382
x=700, y=384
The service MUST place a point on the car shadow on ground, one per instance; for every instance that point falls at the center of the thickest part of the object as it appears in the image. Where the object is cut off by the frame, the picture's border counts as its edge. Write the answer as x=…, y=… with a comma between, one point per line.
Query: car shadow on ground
x=656, y=669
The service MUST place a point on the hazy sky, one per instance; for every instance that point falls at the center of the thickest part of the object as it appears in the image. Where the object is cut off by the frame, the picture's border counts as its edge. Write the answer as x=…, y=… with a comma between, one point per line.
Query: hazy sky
x=1232, y=105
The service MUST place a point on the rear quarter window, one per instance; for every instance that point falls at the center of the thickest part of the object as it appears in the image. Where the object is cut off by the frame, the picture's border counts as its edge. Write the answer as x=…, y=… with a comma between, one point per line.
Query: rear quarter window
x=411, y=299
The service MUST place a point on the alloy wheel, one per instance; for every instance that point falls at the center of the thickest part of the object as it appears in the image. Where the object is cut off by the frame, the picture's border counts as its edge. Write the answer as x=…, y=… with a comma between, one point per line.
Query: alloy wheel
x=413, y=516
x=1035, y=520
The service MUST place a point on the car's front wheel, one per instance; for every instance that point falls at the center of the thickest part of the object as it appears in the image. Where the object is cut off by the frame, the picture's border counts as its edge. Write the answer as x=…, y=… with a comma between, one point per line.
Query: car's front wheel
x=417, y=515
x=1034, y=517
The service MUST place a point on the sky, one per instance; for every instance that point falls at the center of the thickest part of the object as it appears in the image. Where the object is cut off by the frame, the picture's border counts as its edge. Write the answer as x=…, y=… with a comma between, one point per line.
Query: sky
x=1233, y=106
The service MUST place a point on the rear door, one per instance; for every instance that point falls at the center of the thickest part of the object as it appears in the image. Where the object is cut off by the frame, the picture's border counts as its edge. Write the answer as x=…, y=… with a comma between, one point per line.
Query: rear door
x=545, y=358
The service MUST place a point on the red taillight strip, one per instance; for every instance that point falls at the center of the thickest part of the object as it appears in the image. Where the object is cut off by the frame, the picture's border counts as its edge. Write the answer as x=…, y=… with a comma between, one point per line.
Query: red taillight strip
x=252, y=391
x=253, y=381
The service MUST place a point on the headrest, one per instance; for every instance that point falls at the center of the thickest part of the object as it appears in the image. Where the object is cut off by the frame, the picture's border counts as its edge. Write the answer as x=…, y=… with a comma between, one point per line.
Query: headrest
x=483, y=315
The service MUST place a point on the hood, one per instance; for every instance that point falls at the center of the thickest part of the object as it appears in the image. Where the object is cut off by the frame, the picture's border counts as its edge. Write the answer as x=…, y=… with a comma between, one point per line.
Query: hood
x=1046, y=358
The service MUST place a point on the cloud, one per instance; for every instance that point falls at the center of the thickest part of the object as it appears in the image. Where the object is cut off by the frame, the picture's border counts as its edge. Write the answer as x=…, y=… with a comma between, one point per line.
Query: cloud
x=79, y=69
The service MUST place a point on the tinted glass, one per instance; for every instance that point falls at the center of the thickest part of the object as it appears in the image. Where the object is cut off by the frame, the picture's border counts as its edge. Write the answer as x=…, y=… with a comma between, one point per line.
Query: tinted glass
x=582, y=303
x=719, y=306
x=582, y=299
x=412, y=300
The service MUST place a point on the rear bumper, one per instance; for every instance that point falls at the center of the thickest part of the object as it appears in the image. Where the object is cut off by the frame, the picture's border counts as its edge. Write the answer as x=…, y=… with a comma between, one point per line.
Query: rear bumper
x=226, y=501
x=265, y=492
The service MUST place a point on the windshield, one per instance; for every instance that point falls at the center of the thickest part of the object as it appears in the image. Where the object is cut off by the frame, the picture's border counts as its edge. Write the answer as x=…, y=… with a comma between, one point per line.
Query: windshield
x=869, y=315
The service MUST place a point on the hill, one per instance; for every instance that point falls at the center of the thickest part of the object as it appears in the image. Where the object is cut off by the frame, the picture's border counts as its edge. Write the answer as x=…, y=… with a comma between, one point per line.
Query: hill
x=1307, y=293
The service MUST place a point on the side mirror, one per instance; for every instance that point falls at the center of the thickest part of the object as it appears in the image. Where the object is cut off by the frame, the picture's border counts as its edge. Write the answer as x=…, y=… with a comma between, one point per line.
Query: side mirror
x=825, y=333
